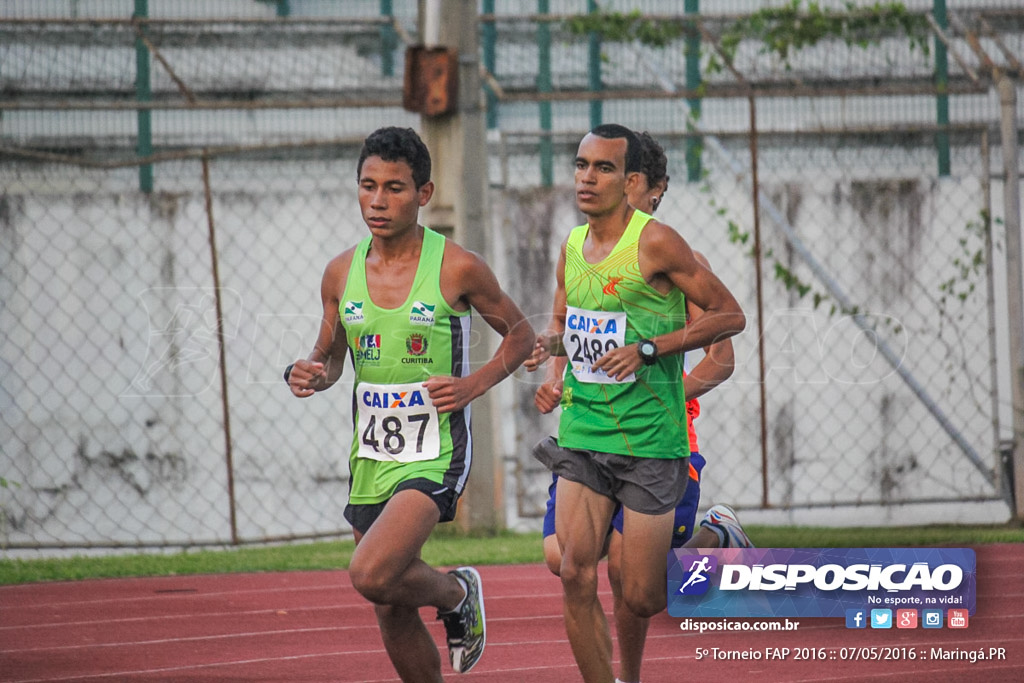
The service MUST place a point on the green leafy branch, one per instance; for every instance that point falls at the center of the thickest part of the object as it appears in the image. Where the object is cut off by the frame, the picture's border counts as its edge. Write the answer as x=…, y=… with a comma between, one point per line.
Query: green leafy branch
x=968, y=265
x=787, y=29
x=780, y=30
x=782, y=273
x=624, y=28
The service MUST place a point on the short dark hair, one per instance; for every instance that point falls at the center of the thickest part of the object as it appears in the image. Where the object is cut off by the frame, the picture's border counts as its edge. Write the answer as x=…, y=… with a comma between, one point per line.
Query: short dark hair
x=398, y=144
x=655, y=163
x=634, y=152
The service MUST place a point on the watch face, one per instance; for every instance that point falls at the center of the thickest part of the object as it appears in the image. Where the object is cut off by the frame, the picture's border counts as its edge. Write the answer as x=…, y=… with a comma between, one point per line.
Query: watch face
x=648, y=352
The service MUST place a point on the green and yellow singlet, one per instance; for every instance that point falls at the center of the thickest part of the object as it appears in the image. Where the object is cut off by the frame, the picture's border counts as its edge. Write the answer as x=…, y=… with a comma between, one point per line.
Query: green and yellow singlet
x=609, y=304
x=398, y=435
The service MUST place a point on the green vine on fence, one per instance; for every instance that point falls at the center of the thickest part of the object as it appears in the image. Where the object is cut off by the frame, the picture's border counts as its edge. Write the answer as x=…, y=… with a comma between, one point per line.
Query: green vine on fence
x=968, y=265
x=782, y=31
x=787, y=29
x=783, y=274
x=626, y=28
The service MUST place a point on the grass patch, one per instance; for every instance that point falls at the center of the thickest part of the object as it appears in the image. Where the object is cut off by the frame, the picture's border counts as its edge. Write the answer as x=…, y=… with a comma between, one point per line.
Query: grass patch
x=884, y=537
x=445, y=547
x=321, y=555
x=449, y=547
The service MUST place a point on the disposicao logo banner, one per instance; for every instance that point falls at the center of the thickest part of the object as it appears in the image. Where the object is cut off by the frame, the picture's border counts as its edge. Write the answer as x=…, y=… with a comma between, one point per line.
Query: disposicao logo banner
x=817, y=582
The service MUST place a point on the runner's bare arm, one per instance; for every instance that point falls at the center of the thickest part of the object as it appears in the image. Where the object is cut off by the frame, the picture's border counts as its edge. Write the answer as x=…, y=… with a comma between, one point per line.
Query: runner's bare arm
x=719, y=358
x=549, y=342
x=722, y=317
x=324, y=365
x=467, y=274
x=665, y=257
x=549, y=393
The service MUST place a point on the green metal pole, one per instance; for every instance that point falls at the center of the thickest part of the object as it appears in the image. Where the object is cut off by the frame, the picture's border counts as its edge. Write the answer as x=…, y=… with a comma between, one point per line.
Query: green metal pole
x=143, y=93
x=594, y=70
x=388, y=40
x=694, y=145
x=490, y=39
x=547, y=174
x=942, y=86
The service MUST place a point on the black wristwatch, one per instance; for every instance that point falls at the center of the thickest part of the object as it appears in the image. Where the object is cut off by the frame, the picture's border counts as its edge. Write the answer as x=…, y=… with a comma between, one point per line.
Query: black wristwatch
x=648, y=351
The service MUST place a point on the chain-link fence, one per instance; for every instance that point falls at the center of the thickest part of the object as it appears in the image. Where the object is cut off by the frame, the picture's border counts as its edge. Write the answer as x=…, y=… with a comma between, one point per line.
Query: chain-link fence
x=144, y=337
x=871, y=328
x=143, y=332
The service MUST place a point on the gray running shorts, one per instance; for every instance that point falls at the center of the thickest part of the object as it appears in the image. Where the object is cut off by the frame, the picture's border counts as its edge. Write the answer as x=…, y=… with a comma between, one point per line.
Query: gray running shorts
x=652, y=486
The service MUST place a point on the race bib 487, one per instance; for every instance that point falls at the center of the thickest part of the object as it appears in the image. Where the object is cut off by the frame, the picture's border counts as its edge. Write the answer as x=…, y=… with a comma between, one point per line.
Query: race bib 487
x=397, y=423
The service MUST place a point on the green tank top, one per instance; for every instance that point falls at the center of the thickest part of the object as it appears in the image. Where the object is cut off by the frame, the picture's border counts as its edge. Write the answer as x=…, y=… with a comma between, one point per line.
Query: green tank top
x=397, y=433
x=609, y=304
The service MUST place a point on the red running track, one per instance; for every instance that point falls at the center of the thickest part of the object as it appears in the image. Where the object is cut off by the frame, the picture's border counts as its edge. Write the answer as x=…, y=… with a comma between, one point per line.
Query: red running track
x=312, y=626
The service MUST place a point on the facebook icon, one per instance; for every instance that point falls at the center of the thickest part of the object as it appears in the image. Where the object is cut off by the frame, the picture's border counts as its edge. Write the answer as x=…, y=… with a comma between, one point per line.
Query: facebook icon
x=856, y=618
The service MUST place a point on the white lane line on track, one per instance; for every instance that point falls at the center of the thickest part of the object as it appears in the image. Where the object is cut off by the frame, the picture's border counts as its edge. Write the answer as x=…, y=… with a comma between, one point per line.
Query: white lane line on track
x=369, y=626
x=805, y=627
x=266, y=660
x=193, y=667
x=190, y=615
x=193, y=595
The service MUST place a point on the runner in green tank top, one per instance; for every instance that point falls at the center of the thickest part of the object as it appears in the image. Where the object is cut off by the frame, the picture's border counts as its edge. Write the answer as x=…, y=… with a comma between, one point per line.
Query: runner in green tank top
x=399, y=434
x=398, y=305
x=610, y=305
x=719, y=528
x=616, y=374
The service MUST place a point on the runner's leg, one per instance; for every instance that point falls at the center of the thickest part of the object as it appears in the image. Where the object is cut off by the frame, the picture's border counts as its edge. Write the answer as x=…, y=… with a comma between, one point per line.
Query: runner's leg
x=387, y=570
x=631, y=629
x=646, y=540
x=581, y=521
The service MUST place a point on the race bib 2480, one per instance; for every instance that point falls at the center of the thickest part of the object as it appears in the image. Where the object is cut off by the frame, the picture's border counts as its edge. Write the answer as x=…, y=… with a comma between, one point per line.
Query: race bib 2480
x=588, y=336
x=397, y=423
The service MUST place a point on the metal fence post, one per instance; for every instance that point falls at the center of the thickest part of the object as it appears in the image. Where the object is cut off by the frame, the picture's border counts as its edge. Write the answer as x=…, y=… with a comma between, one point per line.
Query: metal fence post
x=594, y=70
x=547, y=175
x=489, y=36
x=143, y=93
x=229, y=460
x=694, y=144
x=388, y=40
x=755, y=185
x=1014, y=277
x=942, y=87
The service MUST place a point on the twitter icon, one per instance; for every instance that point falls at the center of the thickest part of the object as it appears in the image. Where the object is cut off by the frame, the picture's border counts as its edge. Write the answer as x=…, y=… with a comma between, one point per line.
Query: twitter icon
x=881, y=618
